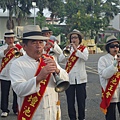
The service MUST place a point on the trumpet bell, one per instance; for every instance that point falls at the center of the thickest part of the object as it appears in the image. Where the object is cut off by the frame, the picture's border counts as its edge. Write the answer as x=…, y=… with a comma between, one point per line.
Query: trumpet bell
x=51, y=53
x=61, y=85
x=17, y=54
x=66, y=53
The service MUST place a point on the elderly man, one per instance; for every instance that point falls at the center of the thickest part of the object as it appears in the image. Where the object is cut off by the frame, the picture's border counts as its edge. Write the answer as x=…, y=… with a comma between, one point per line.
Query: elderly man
x=32, y=78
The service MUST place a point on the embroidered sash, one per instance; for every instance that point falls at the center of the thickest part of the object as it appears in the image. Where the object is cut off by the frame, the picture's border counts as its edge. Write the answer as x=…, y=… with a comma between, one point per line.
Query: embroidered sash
x=109, y=91
x=72, y=59
x=9, y=56
x=32, y=101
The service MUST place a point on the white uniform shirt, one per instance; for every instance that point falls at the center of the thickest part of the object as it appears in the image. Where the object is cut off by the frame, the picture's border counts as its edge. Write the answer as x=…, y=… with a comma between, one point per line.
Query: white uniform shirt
x=78, y=74
x=4, y=75
x=24, y=83
x=106, y=70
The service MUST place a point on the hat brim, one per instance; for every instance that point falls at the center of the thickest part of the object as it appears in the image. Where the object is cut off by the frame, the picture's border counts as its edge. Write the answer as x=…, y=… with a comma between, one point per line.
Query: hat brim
x=34, y=38
x=74, y=32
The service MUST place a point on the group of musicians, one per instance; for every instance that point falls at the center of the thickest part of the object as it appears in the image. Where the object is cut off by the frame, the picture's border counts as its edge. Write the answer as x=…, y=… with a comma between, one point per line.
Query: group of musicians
x=31, y=74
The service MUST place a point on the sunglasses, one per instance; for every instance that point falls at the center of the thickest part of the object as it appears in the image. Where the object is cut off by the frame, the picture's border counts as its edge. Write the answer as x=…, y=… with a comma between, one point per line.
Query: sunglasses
x=114, y=45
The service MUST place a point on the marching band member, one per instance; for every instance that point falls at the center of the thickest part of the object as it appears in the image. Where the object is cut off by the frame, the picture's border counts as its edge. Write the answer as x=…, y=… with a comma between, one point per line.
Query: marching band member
x=7, y=55
x=51, y=45
x=32, y=79
x=52, y=48
x=109, y=73
x=47, y=32
x=75, y=67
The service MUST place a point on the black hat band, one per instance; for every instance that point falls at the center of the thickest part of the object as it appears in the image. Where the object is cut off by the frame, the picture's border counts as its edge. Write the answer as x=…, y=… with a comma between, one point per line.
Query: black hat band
x=31, y=34
x=9, y=33
x=43, y=31
x=112, y=40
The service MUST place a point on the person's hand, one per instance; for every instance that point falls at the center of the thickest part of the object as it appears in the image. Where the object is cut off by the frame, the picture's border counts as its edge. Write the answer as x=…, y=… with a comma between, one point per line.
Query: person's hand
x=15, y=48
x=51, y=44
x=68, y=47
x=118, y=57
x=116, y=60
x=45, y=71
x=8, y=48
x=74, y=47
x=57, y=41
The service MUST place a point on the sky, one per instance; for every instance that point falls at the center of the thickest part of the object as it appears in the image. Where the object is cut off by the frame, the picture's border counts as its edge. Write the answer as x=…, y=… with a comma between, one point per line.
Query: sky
x=45, y=11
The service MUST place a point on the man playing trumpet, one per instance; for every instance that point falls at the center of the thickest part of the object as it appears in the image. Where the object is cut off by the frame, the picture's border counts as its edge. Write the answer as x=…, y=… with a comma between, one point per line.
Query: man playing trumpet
x=51, y=47
x=7, y=55
x=75, y=67
x=32, y=78
x=109, y=73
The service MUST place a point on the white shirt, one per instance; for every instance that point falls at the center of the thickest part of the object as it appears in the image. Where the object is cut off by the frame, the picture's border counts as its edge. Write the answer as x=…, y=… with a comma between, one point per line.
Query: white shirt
x=106, y=70
x=4, y=75
x=78, y=74
x=24, y=83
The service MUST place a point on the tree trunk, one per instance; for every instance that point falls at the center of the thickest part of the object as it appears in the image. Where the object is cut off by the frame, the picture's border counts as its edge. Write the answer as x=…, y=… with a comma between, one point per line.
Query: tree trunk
x=10, y=23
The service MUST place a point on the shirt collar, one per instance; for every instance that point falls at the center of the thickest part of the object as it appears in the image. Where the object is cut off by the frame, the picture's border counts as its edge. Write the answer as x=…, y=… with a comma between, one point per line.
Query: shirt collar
x=110, y=56
x=30, y=59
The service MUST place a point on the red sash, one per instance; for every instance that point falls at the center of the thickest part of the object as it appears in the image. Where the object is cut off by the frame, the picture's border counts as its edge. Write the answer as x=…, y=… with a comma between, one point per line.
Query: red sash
x=47, y=51
x=32, y=101
x=9, y=56
x=109, y=91
x=72, y=59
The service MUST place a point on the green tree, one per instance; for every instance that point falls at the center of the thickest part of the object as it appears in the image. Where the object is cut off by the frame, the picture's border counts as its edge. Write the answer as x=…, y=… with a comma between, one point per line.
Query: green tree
x=56, y=7
x=20, y=8
x=90, y=16
x=40, y=20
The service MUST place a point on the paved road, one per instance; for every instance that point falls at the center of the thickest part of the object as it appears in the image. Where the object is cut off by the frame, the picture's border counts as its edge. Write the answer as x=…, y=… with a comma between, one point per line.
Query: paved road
x=93, y=95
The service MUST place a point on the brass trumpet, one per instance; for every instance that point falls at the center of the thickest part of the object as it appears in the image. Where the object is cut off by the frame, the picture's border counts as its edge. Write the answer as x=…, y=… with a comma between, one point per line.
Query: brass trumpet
x=17, y=53
x=61, y=85
x=66, y=52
